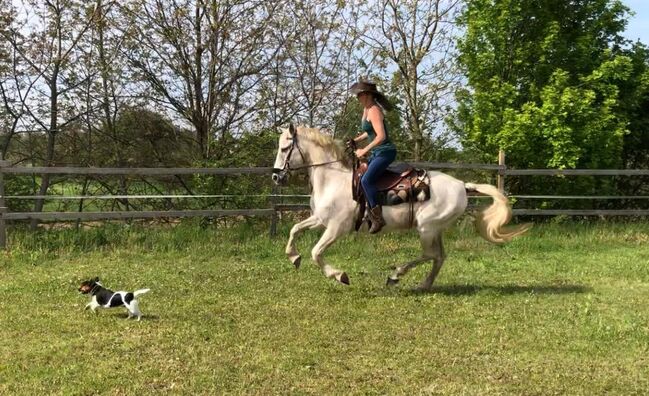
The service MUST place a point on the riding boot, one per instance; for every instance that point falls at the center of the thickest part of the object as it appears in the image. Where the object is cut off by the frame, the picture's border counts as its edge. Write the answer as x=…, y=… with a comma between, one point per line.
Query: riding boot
x=377, y=219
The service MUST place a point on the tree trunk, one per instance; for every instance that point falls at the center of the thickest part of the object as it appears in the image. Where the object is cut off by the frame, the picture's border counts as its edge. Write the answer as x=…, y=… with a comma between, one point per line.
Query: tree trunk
x=51, y=140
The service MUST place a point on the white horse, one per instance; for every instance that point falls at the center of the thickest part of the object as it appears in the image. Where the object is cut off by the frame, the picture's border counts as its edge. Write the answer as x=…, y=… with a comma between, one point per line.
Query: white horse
x=333, y=208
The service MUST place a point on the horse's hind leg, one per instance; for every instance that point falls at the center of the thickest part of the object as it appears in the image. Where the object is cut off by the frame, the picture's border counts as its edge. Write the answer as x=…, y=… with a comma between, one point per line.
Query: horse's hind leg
x=329, y=237
x=438, y=260
x=291, y=251
x=428, y=254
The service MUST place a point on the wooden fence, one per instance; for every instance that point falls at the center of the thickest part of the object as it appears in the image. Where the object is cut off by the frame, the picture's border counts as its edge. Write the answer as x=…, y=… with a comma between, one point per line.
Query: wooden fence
x=501, y=169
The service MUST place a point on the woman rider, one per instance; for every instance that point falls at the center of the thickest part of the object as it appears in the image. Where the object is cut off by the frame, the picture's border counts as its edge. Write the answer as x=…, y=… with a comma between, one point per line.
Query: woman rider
x=382, y=151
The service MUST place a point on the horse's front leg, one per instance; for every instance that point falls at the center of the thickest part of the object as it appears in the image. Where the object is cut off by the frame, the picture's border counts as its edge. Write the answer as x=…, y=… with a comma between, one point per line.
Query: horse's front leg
x=329, y=237
x=291, y=251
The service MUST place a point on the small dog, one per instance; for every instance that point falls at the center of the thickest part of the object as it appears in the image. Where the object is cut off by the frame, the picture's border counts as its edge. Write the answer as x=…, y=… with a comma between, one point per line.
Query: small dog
x=105, y=298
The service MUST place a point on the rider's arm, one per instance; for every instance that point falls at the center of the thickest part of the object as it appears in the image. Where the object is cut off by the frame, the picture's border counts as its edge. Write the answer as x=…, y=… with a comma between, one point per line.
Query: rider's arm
x=360, y=137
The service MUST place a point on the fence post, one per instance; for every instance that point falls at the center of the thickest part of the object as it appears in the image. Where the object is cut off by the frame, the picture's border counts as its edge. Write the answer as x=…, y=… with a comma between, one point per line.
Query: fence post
x=3, y=207
x=273, y=217
x=501, y=171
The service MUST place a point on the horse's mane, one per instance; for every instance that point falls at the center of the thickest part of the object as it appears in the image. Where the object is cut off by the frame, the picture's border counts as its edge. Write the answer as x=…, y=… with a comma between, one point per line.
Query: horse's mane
x=327, y=143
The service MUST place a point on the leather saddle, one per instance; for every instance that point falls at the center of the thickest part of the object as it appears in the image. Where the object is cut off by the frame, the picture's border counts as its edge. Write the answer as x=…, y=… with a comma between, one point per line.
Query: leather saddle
x=400, y=183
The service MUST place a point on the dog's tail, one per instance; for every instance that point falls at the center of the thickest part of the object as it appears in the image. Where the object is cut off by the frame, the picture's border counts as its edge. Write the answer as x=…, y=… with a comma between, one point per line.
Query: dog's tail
x=141, y=291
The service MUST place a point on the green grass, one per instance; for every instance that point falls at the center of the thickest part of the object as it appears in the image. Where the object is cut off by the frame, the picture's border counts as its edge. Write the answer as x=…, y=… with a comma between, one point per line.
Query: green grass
x=562, y=310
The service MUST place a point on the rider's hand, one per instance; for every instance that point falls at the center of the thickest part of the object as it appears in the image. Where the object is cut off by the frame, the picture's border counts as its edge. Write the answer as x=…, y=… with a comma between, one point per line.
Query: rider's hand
x=360, y=153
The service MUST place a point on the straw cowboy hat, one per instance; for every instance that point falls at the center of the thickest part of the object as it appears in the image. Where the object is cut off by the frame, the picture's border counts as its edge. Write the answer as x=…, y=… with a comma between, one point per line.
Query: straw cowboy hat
x=369, y=87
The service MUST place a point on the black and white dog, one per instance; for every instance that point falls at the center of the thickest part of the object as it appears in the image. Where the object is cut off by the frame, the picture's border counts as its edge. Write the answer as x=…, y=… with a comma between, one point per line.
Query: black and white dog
x=105, y=298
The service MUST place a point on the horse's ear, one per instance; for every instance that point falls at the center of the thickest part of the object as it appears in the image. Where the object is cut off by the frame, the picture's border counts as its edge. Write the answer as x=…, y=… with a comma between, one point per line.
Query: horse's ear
x=291, y=129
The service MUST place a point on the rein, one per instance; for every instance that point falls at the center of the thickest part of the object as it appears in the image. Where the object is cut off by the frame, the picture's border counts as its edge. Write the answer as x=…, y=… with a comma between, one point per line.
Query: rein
x=312, y=165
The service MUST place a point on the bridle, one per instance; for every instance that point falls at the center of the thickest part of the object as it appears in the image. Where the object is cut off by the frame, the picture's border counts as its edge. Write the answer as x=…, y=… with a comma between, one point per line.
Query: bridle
x=287, y=168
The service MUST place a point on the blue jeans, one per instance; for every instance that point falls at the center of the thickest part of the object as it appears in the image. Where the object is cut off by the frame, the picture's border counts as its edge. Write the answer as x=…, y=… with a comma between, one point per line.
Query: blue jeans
x=375, y=168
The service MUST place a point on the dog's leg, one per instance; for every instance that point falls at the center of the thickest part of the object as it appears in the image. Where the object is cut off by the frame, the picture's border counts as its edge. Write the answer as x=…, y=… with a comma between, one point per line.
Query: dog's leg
x=133, y=310
x=136, y=309
x=92, y=305
x=129, y=310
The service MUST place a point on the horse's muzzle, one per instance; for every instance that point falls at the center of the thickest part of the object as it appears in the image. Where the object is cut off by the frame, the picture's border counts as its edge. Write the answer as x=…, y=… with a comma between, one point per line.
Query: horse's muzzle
x=280, y=176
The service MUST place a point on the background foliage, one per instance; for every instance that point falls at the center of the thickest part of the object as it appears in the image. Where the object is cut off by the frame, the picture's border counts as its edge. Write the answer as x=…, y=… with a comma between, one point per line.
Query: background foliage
x=555, y=85
x=168, y=83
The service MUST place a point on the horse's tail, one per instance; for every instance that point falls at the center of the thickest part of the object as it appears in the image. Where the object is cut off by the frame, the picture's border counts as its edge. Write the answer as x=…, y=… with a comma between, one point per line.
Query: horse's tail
x=490, y=221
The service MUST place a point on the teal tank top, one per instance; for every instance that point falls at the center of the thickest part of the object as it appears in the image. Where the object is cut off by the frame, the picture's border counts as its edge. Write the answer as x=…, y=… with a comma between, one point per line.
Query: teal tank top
x=385, y=146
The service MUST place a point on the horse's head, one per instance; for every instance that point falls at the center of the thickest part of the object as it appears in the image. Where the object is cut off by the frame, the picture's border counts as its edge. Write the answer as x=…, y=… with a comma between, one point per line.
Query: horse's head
x=289, y=155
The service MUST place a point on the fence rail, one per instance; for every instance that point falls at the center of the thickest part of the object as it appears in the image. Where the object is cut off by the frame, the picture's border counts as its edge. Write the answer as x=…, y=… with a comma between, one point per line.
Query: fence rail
x=143, y=214
x=26, y=170
x=576, y=172
x=580, y=212
x=501, y=170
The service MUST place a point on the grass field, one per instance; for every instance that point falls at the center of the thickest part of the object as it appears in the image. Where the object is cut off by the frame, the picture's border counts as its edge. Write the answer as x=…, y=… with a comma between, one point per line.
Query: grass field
x=562, y=310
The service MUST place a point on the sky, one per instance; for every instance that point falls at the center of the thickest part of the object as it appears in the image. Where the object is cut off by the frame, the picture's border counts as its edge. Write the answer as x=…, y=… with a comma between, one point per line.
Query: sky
x=638, y=27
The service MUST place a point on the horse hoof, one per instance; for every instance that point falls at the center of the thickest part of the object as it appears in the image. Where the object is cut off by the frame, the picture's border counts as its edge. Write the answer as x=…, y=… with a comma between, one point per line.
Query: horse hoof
x=392, y=282
x=297, y=262
x=344, y=279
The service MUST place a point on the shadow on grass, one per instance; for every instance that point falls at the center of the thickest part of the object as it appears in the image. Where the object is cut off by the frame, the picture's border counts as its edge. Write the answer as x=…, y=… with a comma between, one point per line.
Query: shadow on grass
x=124, y=316
x=466, y=290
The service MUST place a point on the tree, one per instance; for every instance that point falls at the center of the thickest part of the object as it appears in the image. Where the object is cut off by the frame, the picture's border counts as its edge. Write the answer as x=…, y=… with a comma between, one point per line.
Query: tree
x=16, y=84
x=48, y=49
x=544, y=83
x=416, y=37
x=526, y=64
x=634, y=96
x=106, y=90
x=202, y=59
x=314, y=68
x=10, y=109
